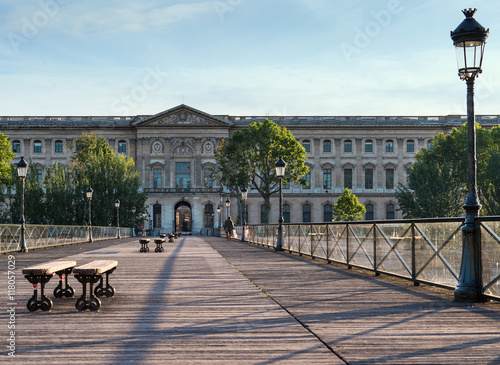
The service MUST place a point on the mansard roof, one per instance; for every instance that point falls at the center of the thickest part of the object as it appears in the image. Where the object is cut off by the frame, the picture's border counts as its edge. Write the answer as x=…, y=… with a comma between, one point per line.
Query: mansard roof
x=185, y=116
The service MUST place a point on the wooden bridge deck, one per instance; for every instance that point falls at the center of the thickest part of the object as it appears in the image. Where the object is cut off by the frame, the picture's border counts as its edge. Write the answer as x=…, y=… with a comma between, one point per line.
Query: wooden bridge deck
x=204, y=300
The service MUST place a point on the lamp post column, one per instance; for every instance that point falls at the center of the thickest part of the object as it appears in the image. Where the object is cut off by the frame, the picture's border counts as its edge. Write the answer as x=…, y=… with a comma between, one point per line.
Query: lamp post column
x=244, y=195
x=469, y=39
x=22, y=220
x=280, y=173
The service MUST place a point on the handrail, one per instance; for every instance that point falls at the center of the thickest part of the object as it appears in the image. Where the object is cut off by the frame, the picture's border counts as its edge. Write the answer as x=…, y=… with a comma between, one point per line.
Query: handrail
x=40, y=236
x=421, y=250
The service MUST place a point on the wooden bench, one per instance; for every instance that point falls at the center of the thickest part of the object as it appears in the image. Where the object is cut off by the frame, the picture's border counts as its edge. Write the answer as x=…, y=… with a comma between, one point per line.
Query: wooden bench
x=159, y=244
x=41, y=274
x=90, y=274
x=144, y=245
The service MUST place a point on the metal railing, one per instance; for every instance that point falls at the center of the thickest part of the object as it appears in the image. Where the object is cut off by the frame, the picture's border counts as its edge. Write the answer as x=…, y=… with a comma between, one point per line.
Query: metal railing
x=38, y=236
x=422, y=250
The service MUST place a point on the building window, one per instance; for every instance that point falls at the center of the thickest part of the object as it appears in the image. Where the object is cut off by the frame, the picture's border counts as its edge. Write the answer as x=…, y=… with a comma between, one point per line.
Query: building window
x=37, y=147
x=308, y=180
x=208, y=216
x=368, y=178
x=157, y=178
x=58, y=147
x=39, y=176
x=389, y=211
x=389, y=178
x=348, y=178
x=327, y=213
x=369, y=216
x=207, y=178
x=183, y=174
x=369, y=146
x=122, y=147
x=286, y=213
x=16, y=147
x=157, y=216
x=307, y=145
x=263, y=214
x=429, y=145
x=306, y=213
x=410, y=146
x=286, y=185
x=389, y=146
x=327, y=146
x=348, y=145
x=327, y=179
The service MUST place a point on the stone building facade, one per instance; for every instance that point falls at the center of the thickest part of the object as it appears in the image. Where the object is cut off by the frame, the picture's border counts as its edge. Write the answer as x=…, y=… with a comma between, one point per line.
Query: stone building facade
x=174, y=153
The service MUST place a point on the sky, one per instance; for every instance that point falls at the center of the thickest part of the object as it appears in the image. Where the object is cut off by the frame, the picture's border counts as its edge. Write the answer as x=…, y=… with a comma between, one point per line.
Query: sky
x=241, y=57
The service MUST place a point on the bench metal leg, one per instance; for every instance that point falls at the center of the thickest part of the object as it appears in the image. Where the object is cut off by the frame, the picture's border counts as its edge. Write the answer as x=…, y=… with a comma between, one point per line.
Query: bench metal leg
x=66, y=289
x=92, y=302
x=144, y=247
x=44, y=303
x=105, y=290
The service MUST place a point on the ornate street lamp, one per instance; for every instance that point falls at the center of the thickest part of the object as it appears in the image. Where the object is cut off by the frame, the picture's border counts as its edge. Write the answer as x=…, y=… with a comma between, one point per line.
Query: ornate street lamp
x=469, y=39
x=117, y=206
x=133, y=220
x=218, y=212
x=228, y=204
x=22, y=171
x=280, y=172
x=144, y=224
x=89, y=192
x=244, y=195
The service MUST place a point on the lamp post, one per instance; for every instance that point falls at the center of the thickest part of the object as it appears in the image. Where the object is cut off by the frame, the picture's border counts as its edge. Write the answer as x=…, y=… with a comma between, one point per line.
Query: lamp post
x=280, y=173
x=117, y=206
x=22, y=171
x=228, y=204
x=133, y=220
x=244, y=195
x=219, y=215
x=144, y=224
x=469, y=39
x=89, y=192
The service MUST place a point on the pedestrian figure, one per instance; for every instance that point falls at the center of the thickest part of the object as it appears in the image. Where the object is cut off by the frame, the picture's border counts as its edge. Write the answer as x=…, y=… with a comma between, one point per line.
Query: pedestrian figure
x=229, y=228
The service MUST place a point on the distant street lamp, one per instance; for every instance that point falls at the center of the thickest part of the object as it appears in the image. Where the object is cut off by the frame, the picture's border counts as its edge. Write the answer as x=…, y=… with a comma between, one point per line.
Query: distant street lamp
x=228, y=204
x=244, y=195
x=469, y=39
x=280, y=173
x=89, y=192
x=218, y=212
x=22, y=171
x=144, y=224
x=117, y=206
x=133, y=220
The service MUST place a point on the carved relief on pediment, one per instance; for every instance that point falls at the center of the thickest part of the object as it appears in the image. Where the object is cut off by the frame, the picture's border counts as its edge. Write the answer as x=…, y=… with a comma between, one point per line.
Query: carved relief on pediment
x=208, y=147
x=182, y=118
x=183, y=150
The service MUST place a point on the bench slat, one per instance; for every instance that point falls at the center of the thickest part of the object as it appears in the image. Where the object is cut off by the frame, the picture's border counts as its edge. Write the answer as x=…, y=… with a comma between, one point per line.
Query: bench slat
x=48, y=268
x=95, y=267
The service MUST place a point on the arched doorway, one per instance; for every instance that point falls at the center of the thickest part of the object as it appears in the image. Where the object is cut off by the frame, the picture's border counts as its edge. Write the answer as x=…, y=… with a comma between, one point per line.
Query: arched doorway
x=183, y=217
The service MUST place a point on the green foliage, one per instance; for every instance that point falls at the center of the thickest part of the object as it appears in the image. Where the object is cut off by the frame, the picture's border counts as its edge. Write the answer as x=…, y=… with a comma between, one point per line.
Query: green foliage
x=249, y=158
x=64, y=201
x=438, y=179
x=433, y=196
x=348, y=207
x=111, y=177
x=6, y=156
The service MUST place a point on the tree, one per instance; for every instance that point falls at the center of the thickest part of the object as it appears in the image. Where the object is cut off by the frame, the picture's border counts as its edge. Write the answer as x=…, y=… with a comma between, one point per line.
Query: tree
x=431, y=192
x=438, y=178
x=348, y=207
x=248, y=159
x=60, y=192
x=111, y=176
x=6, y=156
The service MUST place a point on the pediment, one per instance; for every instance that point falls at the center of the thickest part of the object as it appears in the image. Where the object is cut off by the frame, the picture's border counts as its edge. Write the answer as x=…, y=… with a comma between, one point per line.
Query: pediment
x=182, y=116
